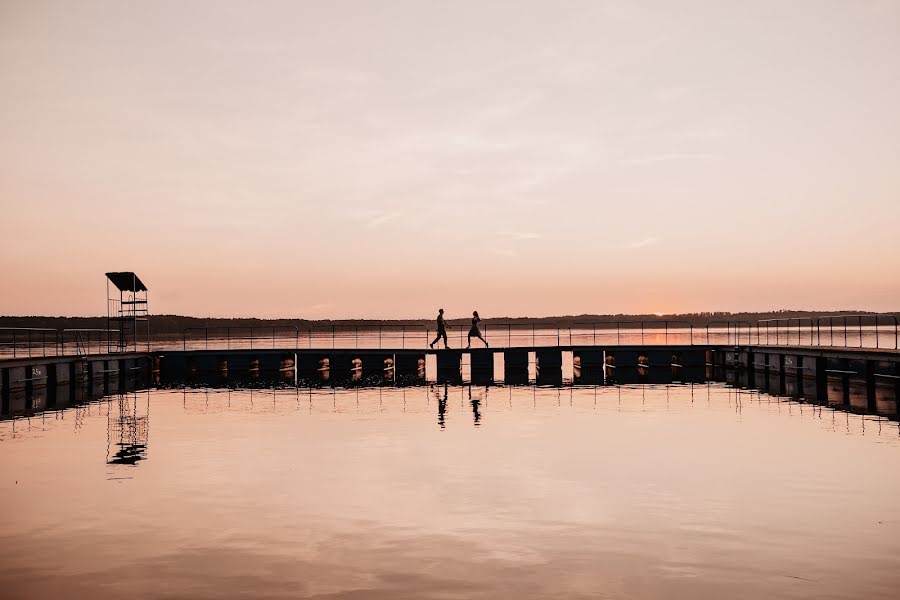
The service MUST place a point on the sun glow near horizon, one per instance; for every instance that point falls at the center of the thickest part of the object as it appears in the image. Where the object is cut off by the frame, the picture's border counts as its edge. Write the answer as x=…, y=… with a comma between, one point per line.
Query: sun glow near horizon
x=602, y=157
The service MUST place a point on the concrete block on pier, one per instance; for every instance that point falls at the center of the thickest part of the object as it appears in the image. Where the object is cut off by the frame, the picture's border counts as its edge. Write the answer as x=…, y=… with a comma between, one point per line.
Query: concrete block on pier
x=482, y=365
x=376, y=364
x=886, y=386
x=410, y=364
x=587, y=365
x=16, y=379
x=837, y=381
x=515, y=366
x=448, y=366
x=63, y=373
x=37, y=376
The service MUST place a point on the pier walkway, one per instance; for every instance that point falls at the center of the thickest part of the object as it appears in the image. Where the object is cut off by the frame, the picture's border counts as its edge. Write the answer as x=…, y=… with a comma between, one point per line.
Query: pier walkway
x=797, y=360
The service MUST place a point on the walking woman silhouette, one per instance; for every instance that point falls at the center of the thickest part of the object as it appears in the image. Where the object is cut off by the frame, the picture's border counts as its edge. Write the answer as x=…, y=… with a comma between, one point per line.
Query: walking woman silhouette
x=475, y=332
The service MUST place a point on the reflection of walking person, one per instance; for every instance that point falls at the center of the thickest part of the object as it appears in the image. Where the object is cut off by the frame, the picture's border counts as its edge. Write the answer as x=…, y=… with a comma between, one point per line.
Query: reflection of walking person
x=441, y=330
x=442, y=407
x=476, y=403
x=474, y=331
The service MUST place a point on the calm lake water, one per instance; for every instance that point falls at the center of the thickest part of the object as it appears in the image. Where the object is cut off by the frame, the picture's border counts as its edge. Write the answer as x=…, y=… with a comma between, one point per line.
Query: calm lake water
x=616, y=492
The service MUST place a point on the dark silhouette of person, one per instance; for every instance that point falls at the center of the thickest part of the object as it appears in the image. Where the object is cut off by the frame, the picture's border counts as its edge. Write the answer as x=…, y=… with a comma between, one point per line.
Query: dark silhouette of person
x=475, y=332
x=441, y=330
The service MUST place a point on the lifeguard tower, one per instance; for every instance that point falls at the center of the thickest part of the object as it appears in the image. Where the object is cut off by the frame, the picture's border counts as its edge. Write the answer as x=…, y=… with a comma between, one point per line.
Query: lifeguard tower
x=127, y=314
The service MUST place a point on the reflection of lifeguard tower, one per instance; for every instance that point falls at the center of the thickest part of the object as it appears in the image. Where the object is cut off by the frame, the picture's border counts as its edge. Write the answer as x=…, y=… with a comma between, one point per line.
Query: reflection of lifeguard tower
x=128, y=429
x=127, y=313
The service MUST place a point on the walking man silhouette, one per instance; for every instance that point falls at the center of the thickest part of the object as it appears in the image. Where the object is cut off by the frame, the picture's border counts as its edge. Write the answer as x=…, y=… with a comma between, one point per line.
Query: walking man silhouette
x=441, y=330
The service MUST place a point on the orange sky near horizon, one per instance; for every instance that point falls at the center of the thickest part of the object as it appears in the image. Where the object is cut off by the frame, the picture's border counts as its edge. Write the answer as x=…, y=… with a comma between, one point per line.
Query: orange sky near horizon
x=381, y=159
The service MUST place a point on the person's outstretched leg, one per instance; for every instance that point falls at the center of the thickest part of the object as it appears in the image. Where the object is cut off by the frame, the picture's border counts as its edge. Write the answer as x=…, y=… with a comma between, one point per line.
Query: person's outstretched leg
x=483, y=340
x=469, y=343
x=446, y=345
x=431, y=345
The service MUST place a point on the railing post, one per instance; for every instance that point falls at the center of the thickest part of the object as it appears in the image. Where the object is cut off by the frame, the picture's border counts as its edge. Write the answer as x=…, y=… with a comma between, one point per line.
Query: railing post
x=845, y=330
x=859, y=322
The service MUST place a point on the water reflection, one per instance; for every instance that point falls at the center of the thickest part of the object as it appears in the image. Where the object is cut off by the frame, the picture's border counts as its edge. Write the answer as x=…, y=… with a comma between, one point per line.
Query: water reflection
x=476, y=404
x=128, y=428
x=442, y=407
x=543, y=492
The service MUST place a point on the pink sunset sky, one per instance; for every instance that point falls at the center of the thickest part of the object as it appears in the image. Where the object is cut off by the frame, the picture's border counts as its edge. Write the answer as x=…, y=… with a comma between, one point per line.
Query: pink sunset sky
x=381, y=159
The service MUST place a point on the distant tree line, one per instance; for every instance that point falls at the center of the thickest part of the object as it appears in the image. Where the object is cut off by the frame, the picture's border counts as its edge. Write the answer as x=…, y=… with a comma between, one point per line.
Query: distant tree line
x=176, y=324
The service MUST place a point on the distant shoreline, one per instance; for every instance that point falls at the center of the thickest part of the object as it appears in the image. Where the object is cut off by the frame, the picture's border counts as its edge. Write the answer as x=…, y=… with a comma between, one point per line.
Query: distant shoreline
x=172, y=324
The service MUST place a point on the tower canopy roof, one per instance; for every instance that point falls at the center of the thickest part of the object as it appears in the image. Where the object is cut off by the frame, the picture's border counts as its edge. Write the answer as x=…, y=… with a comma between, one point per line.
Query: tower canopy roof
x=127, y=281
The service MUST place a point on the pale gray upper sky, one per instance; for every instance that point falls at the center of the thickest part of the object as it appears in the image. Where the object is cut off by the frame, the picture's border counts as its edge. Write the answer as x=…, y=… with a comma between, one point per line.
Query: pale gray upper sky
x=382, y=158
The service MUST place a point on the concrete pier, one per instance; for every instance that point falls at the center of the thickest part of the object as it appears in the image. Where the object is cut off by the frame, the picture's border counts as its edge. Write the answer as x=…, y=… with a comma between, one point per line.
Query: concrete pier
x=861, y=380
x=40, y=383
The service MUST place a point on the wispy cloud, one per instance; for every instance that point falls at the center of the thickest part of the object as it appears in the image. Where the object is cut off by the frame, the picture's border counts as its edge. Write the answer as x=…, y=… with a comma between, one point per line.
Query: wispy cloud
x=520, y=235
x=381, y=219
x=643, y=243
x=673, y=156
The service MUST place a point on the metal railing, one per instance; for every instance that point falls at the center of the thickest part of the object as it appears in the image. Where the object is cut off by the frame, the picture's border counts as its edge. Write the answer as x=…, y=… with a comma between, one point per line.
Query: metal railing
x=292, y=337
x=365, y=336
x=857, y=330
x=538, y=333
x=21, y=342
x=633, y=332
x=873, y=331
x=224, y=338
x=731, y=327
x=86, y=341
x=774, y=328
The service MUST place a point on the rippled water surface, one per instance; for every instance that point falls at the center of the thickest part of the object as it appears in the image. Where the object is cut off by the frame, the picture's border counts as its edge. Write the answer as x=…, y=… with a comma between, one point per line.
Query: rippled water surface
x=629, y=492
